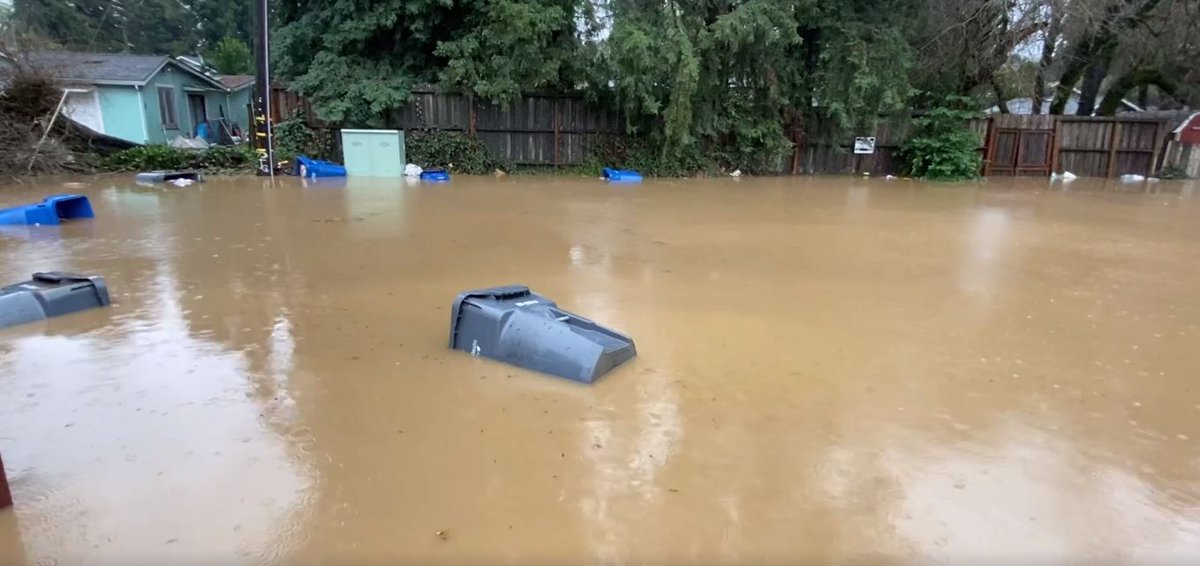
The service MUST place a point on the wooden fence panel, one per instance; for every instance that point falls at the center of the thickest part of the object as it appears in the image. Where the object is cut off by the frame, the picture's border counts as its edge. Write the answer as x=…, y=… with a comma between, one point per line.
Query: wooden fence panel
x=1081, y=135
x=1085, y=145
x=1035, y=149
x=1137, y=136
x=1100, y=147
x=434, y=111
x=1083, y=163
x=1005, y=150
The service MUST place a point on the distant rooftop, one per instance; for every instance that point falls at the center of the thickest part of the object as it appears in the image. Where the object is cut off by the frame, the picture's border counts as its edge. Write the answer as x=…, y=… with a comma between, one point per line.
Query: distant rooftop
x=235, y=82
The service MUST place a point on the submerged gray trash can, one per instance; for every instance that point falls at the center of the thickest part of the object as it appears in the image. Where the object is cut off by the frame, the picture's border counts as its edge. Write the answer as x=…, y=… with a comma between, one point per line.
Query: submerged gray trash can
x=50, y=294
x=514, y=325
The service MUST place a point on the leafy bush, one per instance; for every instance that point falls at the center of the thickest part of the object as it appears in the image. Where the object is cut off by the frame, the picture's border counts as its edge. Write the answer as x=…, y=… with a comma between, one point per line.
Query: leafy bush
x=755, y=144
x=293, y=137
x=149, y=157
x=451, y=150
x=944, y=148
x=228, y=158
x=218, y=159
x=645, y=155
x=1172, y=172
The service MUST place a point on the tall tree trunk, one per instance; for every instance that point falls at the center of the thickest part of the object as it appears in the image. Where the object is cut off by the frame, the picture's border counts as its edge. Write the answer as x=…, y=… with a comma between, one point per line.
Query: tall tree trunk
x=1103, y=47
x=1093, y=78
x=1076, y=64
x=1001, y=100
x=1049, y=42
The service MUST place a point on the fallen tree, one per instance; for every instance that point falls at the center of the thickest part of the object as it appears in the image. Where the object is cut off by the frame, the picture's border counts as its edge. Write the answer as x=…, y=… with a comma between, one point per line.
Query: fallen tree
x=36, y=138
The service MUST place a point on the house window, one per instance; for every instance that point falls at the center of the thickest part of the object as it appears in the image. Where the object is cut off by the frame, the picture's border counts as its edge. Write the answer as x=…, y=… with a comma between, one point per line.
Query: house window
x=166, y=107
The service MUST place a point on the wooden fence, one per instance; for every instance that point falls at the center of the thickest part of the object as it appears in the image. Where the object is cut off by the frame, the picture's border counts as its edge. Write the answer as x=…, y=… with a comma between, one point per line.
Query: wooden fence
x=1014, y=145
x=538, y=129
x=838, y=158
x=1108, y=147
x=561, y=129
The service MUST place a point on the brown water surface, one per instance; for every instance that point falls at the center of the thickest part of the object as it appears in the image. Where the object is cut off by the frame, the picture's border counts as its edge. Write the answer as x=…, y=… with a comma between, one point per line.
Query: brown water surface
x=830, y=369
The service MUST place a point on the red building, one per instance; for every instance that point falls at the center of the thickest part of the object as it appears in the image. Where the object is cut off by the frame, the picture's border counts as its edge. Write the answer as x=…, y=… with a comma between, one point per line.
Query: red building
x=1189, y=131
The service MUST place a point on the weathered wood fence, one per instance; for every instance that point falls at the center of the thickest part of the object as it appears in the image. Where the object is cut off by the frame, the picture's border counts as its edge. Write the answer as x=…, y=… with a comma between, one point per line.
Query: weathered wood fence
x=561, y=129
x=1017, y=145
x=538, y=129
x=823, y=157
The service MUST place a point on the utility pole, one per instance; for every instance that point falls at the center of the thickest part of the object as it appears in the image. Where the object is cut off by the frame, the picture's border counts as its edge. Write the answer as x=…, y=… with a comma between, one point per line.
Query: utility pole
x=263, y=136
x=5, y=494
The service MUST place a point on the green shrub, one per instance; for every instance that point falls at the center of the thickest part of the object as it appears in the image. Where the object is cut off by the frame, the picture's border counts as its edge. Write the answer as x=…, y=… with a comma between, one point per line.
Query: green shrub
x=218, y=159
x=293, y=137
x=645, y=155
x=148, y=157
x=1172, y=172
x=944, y=147
x=455, y=151
x=228, y=159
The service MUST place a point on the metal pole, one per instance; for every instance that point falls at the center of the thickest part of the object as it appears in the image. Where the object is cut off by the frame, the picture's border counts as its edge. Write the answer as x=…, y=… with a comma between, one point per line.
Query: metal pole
x=264, y=143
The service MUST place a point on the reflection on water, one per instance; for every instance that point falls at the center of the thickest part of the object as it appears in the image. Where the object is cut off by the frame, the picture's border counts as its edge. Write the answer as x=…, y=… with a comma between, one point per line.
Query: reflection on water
x=1021, y=496
x=624, y=465
x=830, y=369
x=986, y=239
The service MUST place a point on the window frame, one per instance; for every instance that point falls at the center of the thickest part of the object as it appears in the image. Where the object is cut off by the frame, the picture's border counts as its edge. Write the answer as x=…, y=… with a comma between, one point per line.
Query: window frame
x=171, y=107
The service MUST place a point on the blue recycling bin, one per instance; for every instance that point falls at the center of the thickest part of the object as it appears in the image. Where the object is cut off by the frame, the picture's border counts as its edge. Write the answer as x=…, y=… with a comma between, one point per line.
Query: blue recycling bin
x=52, y=210
x=435, y=175
x=621, y=175
x=310, y=168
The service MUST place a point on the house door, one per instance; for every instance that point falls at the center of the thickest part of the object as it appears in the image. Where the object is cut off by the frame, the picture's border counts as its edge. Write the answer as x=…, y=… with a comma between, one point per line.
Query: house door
x=198, y=112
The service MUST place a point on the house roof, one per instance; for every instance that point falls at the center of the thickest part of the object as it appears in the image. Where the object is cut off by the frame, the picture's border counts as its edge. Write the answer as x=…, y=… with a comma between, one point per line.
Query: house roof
x=98, y=67
x=107, y=68
x=237, y=82
x=1184, y=123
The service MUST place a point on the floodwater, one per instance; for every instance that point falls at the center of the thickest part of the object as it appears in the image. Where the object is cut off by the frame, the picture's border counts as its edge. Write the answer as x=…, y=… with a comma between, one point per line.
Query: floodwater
x=830, y=370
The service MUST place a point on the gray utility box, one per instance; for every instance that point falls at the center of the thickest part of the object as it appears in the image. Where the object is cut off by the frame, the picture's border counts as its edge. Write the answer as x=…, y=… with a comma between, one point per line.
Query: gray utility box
x=514, y=325
x=50, y=294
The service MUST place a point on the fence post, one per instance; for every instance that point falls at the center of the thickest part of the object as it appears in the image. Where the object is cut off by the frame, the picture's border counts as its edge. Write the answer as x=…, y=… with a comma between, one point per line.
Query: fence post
x=796, y=149
x=1055, y=144
x=989, y=145
x=471, y=115
x=557, y=128
x=1112, y=148
x=1155, y=157
x=5, y=494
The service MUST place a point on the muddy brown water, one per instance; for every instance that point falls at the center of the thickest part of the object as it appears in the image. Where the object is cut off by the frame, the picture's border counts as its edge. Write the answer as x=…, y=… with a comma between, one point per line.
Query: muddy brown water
x=830, y=369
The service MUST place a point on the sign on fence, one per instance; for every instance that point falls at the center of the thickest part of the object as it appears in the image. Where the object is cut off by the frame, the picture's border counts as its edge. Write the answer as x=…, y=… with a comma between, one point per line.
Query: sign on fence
x=864, y=145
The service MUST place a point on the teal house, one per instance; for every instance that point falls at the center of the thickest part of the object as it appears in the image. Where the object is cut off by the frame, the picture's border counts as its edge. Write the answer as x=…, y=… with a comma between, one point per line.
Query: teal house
x=148, y=99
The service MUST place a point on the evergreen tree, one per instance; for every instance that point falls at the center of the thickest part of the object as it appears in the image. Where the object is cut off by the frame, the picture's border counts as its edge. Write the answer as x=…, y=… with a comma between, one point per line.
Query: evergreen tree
x=82, y=25
x=356, y=62
x=166, y=27
x=220, y=19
